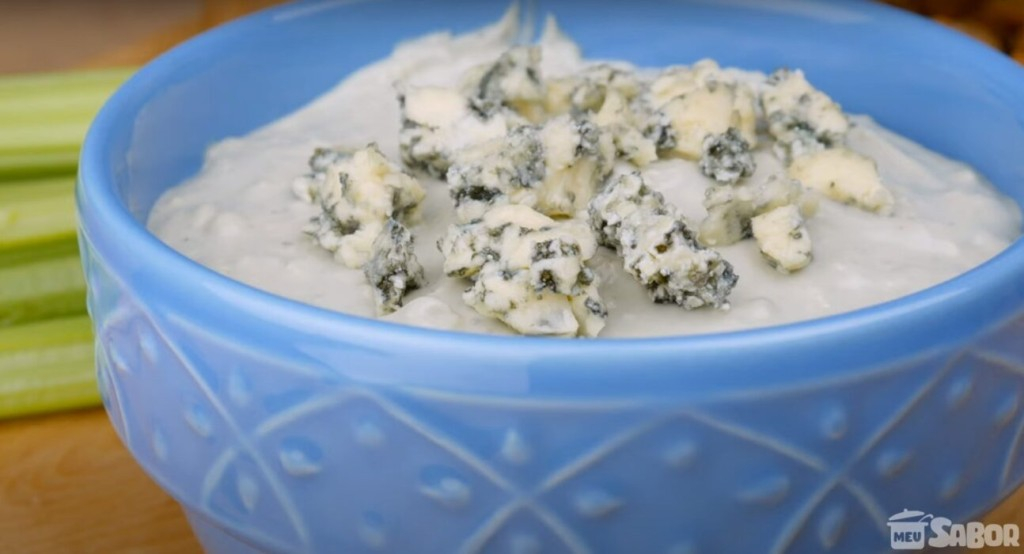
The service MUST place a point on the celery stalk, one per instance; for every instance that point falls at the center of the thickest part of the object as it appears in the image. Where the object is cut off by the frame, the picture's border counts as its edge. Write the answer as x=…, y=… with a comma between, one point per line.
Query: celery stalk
x=47, y=136
x=20, y=165
x=31, y=216
x=51, y=104
x=13, y=191
x=44, y=118
x=20, y=86
x=36, y=204
x=46, y=345
x=40, y=289
x=9, y=257
x=47, y=366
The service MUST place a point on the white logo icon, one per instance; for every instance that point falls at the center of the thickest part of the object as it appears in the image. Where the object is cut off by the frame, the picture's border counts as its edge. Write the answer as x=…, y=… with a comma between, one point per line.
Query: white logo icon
x=907, y=530
x=913, y=530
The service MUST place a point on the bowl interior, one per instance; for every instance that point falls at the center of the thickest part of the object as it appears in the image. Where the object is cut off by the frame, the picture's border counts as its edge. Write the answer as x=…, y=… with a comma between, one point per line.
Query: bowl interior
x=940, y=89
x=931, y=84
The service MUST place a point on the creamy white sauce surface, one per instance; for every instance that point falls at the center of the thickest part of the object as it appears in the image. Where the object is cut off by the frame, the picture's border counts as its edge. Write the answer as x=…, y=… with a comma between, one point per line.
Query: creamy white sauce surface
x=239, y=216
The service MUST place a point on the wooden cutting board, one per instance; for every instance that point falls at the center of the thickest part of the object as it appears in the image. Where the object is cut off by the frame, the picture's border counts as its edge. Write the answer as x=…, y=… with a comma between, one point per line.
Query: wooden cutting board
x=67, y=485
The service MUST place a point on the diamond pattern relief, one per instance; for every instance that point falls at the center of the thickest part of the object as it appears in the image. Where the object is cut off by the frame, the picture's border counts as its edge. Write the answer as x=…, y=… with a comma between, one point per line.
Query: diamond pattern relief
x=299, y=457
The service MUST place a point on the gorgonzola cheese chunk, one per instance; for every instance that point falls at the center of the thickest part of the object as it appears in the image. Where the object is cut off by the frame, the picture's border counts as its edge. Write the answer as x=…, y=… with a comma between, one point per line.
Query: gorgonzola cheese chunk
x=609, y=96
x=554, y=168
x=844, y=176
x=801, y=118
x=618, y=119
x=701, y=101
x=657, y=247
x=437, y=122
x=359, y=193
x=393, y=270
x=510, y=169
x=726, y=158
x=528, y=271
x=783, y=239
x=730, y=208
x=513, y=82
x=587, y=90
x=577, y=157
x=307, y=186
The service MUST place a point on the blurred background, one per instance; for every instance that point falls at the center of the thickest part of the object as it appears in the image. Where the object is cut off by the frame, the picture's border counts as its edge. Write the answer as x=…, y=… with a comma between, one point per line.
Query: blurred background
x=96, y=33
x=49, y=35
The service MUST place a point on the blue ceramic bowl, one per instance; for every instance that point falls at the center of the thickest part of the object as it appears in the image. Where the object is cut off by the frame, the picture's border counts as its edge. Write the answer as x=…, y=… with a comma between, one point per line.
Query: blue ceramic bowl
x=281, y=427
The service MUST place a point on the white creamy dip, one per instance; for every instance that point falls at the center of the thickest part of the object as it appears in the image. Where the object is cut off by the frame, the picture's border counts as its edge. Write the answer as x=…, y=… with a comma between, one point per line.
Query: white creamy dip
x=239, y=216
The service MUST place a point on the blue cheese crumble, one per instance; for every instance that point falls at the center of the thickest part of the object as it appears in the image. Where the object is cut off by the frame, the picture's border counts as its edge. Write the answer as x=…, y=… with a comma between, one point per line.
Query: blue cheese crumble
x=512, y=82
x=358, y=193
x=731, y=208
x=554, y=168
x=528, y=271
x=801, y=118
x=657, y=246
x=783, y=238
x=611, y=97
x=727, y=158
x=844, y=176
x=702, y=100
x=437, y=122
x=393, y=270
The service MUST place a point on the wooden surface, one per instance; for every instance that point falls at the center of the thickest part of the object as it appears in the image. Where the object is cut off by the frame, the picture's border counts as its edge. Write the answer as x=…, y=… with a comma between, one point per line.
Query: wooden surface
x=67, y=485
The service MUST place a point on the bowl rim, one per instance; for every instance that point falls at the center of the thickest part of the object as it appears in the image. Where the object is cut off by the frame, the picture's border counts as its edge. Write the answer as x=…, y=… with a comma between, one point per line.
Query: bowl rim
x=97, y=190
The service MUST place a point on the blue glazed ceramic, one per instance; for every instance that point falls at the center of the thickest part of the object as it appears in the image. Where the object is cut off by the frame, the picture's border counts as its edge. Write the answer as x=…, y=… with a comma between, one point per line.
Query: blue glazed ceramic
x=285, y=428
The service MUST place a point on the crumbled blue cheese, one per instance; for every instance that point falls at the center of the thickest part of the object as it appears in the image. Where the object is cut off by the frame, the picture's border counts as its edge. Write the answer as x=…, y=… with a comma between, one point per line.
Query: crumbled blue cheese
x=528, y=271
x=783, y=239
x=801, y=118
x=844, y=176
x=393, y=270
x=505, y=170
x=610, y=96
x=358, y=194
x=587, y=90
x=554, y=168
x=512, y=82
x=657, y=246
x=626, y=127
x=702, y=100
x=730, y=208
x=726, y=158
x=577, y=157
x=437, y=122
x=306, y=187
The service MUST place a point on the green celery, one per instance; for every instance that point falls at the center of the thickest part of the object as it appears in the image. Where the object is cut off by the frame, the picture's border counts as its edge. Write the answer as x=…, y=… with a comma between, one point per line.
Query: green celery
x=51, y=104
x=30, y=215
x=47, y=366
x=10, y=257
x=27, y=84
x=44, y=118
x=44, y=136
x=46, y=344
x=22, y=165
x=41, y=289
x=13, y=191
